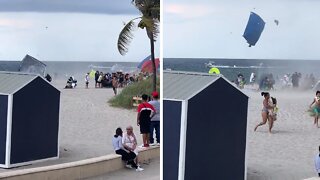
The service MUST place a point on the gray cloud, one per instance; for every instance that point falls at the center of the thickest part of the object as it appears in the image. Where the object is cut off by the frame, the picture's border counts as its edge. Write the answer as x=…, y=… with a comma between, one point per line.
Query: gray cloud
x=69, y=6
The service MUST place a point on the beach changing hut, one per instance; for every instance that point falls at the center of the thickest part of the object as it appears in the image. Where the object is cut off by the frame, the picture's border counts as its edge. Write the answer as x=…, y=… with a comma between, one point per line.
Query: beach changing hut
x=204, y=127
x=29, y=119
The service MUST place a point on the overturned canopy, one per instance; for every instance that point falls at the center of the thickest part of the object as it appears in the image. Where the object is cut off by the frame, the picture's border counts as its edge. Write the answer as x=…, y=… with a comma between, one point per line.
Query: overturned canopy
x=30, y=64
x=254, y=29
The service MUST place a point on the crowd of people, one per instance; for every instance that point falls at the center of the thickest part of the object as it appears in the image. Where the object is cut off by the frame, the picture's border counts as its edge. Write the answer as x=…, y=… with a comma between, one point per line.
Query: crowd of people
x=106, y=79
x=267, y=82
x=295, y=80
x=148, y=120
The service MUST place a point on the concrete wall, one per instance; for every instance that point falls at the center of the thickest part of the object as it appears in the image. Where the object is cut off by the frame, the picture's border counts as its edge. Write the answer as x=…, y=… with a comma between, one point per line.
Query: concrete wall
x=79, y=169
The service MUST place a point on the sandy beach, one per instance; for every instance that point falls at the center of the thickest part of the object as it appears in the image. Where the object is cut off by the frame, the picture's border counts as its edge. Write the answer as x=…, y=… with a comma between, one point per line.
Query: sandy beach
x=87, y=124
x=288, y=153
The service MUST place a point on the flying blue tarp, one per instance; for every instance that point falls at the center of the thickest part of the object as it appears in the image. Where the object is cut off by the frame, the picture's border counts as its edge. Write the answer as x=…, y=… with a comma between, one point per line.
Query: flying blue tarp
x=254, y=29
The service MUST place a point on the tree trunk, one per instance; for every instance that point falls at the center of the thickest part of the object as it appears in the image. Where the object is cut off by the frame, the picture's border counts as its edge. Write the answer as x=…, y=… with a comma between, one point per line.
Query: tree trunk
x=154, y=83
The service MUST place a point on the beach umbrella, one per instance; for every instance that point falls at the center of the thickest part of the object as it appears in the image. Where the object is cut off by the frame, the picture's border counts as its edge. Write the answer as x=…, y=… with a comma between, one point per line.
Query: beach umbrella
x=92, y=73
x=214, y=70
x=147, y=65
x=253, y=29
x=143, y=61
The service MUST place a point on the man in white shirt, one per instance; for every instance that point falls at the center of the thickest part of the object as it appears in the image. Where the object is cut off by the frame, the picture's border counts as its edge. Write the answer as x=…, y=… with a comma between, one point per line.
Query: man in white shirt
x=155, y=120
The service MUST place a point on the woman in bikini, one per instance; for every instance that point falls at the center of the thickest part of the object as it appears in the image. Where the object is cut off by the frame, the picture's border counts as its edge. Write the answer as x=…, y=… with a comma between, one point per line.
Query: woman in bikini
x=265, y=112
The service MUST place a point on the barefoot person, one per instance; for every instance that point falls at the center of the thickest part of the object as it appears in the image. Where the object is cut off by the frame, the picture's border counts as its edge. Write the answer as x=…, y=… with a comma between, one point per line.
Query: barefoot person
x=114, y=84
x=265, y=112
x=145, y=113
x=273, y=111
x=315, y=107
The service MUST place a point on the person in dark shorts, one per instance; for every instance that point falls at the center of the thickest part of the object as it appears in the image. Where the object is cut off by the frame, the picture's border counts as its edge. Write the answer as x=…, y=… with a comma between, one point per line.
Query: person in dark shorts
x=96, y=77
x=155, y=120
x=145, y=112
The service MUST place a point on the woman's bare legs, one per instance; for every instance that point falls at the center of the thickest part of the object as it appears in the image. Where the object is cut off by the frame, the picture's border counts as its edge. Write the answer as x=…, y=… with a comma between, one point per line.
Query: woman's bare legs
x=270, y=122
x=264, y=120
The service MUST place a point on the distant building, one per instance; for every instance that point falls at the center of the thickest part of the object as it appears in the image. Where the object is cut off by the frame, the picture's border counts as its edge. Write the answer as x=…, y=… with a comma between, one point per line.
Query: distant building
x=29, y=119
x=204, y=127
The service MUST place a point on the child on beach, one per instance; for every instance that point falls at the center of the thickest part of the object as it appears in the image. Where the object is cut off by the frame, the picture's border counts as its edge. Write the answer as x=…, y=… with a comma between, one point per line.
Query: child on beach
x=273, y=111
x=86, y=79
x=315, y=108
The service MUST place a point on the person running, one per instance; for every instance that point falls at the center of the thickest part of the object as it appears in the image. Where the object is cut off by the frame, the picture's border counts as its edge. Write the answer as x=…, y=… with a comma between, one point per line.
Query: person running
x=86, y=79
x=155, y=120
x=317, y=162
x=145, y=113
x=265, y=111
x=126, y=155
x=315, y=107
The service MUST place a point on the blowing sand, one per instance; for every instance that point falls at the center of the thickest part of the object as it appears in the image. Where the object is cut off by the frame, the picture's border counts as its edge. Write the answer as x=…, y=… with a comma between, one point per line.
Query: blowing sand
x=289, y=152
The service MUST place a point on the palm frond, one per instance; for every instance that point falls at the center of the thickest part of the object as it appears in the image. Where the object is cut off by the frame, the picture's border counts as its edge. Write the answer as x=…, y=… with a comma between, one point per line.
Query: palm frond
x=151, y=25
x=125, y=37
x=148, y=8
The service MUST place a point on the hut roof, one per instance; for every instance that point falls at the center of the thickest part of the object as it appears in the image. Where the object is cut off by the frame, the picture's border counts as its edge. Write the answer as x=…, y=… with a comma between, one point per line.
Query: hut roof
x=179, y=85
x=11, y=82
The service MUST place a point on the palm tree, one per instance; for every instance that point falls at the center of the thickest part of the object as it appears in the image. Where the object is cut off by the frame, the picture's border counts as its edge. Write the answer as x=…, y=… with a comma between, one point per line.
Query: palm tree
x=150, y=11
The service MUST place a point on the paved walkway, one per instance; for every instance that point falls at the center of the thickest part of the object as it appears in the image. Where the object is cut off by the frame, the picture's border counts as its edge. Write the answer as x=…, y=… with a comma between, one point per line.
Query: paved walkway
x=151, y=172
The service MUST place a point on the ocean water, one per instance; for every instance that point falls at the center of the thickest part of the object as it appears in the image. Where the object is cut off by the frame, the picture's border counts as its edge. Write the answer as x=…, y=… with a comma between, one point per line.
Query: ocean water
x=230, y=68
x=65, y=69
x=60, y=69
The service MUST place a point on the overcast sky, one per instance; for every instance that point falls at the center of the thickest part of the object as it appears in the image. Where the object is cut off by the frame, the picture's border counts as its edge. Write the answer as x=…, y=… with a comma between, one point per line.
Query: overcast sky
x=63, y=30
x=214, y=29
